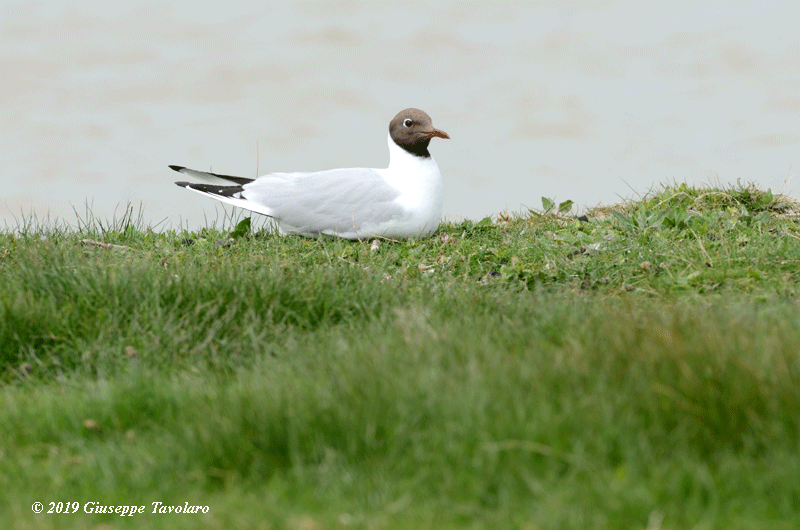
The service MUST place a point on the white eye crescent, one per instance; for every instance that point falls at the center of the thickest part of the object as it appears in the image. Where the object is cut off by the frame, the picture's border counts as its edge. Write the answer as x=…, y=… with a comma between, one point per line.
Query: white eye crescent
x=408, y=122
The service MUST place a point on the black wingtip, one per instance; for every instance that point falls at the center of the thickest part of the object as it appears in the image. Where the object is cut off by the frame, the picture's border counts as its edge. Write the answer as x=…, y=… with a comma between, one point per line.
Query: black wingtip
x=183, y=184
x=176, y=168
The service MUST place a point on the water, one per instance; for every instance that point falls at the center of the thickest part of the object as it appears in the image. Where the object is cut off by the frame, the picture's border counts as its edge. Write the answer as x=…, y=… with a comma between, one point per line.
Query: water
x=588, y=101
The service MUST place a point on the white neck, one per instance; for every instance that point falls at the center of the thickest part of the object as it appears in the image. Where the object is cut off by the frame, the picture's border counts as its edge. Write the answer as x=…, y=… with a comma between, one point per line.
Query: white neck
x=405, y=165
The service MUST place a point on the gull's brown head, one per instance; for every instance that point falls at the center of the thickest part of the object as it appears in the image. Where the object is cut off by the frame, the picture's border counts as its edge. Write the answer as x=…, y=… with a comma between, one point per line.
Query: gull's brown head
x=412, y=129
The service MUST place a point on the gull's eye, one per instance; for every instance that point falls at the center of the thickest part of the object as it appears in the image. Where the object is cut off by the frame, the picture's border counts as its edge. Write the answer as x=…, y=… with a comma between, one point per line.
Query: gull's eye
x=407, y=122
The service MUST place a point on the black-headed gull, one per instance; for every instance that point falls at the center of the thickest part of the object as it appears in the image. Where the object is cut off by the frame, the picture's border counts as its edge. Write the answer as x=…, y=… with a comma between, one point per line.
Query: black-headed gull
x=403, y=200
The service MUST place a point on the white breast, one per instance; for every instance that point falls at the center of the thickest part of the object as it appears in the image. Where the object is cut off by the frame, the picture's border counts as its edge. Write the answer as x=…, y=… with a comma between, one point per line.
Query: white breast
x=421, y=193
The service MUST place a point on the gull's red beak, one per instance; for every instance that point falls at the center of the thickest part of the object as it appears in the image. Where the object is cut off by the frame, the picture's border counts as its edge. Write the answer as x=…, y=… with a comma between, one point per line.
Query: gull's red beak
x=437, y=133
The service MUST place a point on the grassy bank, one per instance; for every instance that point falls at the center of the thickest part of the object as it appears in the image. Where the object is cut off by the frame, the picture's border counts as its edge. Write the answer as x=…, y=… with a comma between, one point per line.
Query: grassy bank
x=637, y=369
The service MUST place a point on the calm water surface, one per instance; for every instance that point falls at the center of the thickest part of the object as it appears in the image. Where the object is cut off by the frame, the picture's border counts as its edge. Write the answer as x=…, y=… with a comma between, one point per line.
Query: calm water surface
x=588, y=101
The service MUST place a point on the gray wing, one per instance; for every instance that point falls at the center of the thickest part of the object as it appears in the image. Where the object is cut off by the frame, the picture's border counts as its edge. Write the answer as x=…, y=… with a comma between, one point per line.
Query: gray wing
x=327, y=201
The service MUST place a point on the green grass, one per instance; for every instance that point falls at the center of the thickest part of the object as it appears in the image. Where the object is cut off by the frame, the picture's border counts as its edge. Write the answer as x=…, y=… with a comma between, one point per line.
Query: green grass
x=639, y=370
